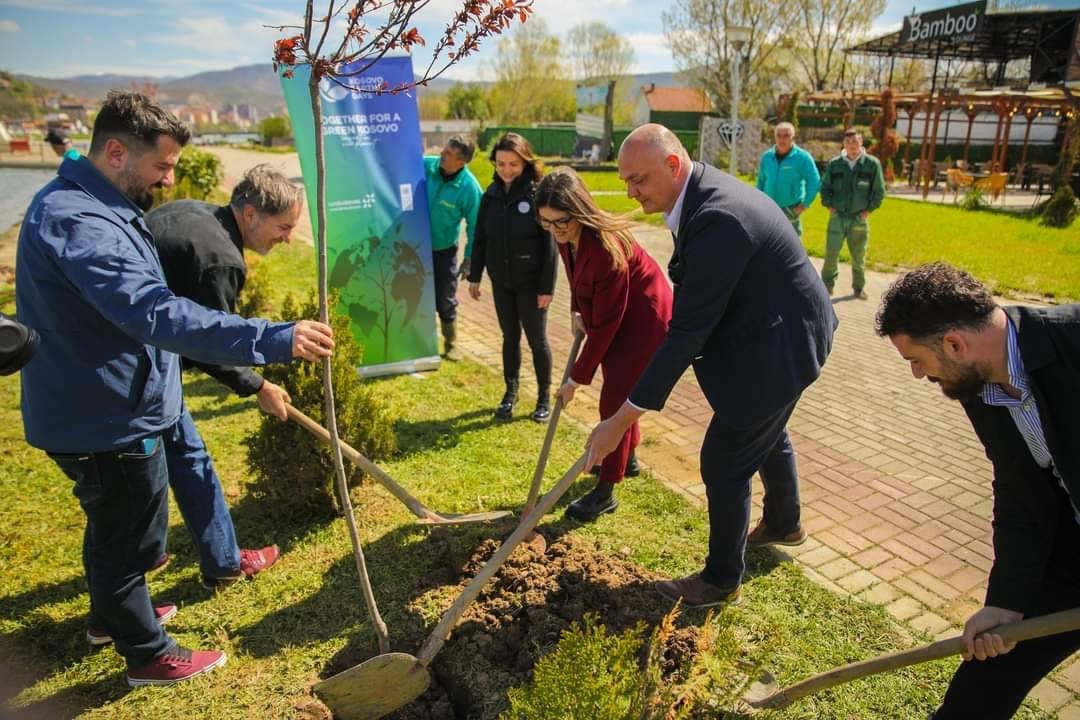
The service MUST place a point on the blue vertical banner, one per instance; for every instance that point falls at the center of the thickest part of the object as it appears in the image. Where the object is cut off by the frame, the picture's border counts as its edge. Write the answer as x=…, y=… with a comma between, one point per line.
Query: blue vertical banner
x=378, y=238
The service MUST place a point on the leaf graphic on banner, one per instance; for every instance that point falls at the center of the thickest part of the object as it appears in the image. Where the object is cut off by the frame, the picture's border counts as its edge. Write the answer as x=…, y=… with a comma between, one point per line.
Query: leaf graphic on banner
x=409, y=275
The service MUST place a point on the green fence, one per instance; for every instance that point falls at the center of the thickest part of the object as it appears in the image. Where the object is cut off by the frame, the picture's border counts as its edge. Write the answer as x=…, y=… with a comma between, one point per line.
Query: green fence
x=559, y=142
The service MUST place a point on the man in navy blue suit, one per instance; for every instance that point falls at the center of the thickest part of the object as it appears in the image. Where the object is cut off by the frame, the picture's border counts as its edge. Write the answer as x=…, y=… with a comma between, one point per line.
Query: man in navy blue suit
x=753, y=318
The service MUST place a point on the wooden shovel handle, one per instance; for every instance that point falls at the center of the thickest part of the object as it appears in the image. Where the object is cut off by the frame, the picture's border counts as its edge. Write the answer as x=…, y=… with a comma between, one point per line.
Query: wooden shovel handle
x=450, y=618
x=415, y=506
x=1042, y=626
x=541, y=463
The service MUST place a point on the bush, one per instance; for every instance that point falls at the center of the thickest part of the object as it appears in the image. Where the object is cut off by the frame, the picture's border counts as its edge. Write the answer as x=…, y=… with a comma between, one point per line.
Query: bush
x=593, y=674
x=196, y=177
x=289, y=464
x=254, y=300
x=973, y=199
x=1060, y=210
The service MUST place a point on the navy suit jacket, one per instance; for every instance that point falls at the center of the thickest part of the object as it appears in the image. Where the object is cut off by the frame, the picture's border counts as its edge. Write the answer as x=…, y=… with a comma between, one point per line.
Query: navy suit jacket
x=1036, y=536
x=751, y=313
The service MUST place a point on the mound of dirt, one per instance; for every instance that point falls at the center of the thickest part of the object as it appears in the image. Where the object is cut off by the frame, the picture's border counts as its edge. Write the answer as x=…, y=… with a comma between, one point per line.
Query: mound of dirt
x=522, y=612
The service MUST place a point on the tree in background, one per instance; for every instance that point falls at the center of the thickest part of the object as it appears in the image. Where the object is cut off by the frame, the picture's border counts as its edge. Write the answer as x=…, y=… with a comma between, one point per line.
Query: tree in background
x=467, y=102
x=600, y=55
x=695, y=29
x=596, y=52
x=532, y=82
x=275, y=127
x=431, y=105
x=824, y=29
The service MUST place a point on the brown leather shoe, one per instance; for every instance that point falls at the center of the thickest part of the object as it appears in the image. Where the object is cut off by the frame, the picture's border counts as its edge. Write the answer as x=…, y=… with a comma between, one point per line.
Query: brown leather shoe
x=761, y=536
x=695, y=592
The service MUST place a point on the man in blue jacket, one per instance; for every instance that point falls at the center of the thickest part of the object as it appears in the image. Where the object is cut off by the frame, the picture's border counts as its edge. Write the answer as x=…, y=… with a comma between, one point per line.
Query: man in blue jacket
x=453, y=195
x=104, y=387
x=789, y=175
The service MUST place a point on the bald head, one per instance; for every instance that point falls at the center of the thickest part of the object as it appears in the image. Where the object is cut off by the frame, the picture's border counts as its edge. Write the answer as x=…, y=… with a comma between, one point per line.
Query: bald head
x=654, y=164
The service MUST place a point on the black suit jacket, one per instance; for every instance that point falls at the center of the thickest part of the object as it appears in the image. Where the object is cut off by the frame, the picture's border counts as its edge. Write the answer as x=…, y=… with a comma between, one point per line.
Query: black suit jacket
x=1035, y=530
x=751, y=313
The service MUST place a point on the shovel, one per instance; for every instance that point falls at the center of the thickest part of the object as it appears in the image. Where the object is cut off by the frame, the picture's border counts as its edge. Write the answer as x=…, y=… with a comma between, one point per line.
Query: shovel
x=536, y=540
x=388, y=681
x=764, y=693
x=424, y=515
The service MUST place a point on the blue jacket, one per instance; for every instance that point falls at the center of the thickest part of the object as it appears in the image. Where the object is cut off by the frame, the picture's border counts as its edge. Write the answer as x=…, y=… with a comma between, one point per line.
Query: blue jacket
x=790, y=181
x=449, y=203
x=89, y=281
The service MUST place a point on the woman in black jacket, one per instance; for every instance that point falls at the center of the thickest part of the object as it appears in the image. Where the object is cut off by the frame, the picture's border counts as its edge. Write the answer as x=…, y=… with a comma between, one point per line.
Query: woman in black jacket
x=520, y=257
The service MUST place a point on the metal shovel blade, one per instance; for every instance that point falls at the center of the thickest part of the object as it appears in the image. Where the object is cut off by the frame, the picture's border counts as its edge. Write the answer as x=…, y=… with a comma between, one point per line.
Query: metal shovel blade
x=762, y=693
x=374, y=688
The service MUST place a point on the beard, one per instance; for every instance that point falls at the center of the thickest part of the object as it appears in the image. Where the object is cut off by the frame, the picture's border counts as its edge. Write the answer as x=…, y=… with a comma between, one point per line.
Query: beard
x=139, y=192
x=964, y=382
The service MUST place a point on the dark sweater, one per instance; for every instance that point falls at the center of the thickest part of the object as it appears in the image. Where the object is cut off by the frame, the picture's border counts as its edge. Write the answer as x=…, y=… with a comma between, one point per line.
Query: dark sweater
x=518, y=254
x=202, y=254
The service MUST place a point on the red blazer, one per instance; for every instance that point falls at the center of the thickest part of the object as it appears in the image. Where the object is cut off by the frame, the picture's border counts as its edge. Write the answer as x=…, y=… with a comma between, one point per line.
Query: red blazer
x=626, y=312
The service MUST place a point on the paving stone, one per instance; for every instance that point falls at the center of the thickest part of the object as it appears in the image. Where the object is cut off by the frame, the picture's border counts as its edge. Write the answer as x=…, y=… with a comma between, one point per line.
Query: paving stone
x=882, y=593
x=838, y=568
x=1050, y=695
x=904, y=608
x=930, y=624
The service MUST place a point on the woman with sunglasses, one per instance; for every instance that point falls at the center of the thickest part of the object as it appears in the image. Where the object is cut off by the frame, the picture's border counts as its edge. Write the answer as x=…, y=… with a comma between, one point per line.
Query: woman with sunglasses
x=520, y=259
x=620, y=299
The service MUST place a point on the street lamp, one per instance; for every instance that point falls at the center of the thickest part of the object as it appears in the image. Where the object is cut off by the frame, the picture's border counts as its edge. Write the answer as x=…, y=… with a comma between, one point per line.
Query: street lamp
x=738, y=37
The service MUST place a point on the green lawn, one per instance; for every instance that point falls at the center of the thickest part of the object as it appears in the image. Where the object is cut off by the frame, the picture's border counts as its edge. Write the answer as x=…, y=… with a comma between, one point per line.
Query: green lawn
x=1012, y=253
x=283, y=629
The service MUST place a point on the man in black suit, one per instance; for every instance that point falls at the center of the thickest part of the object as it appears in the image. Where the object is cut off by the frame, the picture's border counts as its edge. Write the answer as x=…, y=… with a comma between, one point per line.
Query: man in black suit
x=752, y=316
x=1017, y=372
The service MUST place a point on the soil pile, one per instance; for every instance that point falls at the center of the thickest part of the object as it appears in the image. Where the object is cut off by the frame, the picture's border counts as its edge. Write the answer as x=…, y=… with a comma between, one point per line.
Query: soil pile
x=522, y=612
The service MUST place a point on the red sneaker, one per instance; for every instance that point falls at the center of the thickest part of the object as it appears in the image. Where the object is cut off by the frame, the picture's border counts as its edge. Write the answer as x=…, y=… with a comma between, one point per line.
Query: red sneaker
x=175, y=666
x=252, y=562
x=160, y=564
x=164, y=612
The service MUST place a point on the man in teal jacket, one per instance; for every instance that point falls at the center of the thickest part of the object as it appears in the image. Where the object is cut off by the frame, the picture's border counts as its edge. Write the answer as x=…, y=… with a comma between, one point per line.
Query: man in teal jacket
x=453, y=195
x=789, y=175
x=853, y=187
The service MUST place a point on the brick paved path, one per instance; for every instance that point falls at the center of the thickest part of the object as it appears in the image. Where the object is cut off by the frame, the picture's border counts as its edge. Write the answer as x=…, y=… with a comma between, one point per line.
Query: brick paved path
x=895, y=485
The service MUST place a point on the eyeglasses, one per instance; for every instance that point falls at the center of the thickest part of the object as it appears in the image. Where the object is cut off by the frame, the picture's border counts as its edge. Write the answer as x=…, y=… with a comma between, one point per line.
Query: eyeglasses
x=559, y=224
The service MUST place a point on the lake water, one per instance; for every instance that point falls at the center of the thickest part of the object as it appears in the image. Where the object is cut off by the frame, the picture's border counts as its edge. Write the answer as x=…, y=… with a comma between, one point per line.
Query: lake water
x=17, y=189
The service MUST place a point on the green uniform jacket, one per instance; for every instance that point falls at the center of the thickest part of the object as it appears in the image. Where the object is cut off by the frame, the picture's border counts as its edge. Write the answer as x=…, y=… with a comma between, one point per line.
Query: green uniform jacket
x=449, y=203
x=849, y=190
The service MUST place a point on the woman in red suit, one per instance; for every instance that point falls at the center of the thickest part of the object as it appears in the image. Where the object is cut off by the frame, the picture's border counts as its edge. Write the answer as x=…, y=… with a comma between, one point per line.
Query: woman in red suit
x=620, y=298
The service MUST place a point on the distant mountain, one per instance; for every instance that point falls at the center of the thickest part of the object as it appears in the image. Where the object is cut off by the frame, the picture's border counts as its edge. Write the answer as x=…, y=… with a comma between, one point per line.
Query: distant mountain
x=248, y=84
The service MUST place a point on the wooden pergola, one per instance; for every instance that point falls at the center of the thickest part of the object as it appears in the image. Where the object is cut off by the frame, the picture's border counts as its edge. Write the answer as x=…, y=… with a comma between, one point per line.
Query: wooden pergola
x=1047, y=38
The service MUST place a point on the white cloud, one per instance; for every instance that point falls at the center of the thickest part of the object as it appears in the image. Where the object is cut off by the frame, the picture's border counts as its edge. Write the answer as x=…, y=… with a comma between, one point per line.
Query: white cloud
x=67, y=6
x=9, y=26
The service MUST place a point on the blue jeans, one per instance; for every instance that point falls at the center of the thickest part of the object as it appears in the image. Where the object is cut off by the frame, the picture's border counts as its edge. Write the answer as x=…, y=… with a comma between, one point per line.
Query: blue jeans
x=125, y=497
x=729, y=458
x=197, y=490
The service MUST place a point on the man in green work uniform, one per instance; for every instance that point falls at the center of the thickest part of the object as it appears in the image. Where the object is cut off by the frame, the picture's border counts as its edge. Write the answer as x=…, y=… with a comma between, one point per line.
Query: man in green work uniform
x=852, y=188
x=453, y=195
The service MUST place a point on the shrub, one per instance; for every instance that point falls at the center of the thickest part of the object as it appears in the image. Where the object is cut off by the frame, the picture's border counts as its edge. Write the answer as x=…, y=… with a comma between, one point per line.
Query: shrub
x=593, y=674
x=289, y=464
x=1060, y=210
x=973, y=199
x=254, y=300
x=197, y=176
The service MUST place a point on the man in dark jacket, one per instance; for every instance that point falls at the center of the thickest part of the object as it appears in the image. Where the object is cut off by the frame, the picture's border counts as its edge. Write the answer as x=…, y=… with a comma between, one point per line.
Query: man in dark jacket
x=752, y=316
x=1017, y=372
x=202, y=252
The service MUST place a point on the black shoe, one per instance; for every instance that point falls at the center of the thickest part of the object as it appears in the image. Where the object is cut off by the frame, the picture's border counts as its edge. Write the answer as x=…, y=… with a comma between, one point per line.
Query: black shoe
x=542, y=411
x=593, y=504
x=505, y=410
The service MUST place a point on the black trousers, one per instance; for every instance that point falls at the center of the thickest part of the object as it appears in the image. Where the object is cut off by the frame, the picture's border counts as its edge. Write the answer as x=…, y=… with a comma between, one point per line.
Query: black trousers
x=516, y=311
x=729, y=458
x=993, y=689
x=444, y=268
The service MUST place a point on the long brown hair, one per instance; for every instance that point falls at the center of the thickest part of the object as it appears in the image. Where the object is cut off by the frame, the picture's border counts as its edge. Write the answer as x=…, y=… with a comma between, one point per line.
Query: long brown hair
x=562, y=189
x=517, y=144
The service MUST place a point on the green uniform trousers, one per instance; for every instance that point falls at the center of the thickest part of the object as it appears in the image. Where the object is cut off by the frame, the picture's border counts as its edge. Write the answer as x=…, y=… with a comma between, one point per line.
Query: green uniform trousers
x=857, y=233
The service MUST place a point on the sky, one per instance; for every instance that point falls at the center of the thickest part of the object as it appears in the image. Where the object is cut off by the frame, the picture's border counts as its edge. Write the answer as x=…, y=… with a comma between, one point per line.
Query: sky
x=151, y=38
